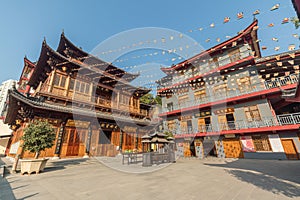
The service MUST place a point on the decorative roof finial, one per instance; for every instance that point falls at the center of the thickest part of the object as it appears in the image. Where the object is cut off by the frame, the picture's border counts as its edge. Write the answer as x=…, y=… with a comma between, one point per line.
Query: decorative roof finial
x=44, y=41
x=63, y=32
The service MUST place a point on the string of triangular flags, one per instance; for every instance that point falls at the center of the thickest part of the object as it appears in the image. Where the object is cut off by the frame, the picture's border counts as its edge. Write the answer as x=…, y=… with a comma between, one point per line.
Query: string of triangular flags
x=277, y=63
x=181, y=48
x=226, y=20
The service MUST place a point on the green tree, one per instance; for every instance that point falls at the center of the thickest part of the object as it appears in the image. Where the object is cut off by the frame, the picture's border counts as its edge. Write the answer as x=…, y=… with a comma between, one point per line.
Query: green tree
x=296, y=22
x=149, y=99
x=158, y=100
x=169, y=134
x=38, y=136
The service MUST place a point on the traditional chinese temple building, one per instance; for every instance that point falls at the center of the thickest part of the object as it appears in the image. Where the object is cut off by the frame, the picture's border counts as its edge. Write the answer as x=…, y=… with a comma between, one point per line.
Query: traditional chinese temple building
x=92, y=105
x=228, y=101
x=27, y=71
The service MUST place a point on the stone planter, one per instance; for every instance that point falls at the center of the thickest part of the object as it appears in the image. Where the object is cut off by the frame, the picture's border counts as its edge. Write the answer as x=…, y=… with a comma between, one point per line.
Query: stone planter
x=36, y=165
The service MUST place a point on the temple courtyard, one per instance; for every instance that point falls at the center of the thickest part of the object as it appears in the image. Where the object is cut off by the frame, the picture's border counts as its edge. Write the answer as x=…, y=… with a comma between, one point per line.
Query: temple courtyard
x=210, y=178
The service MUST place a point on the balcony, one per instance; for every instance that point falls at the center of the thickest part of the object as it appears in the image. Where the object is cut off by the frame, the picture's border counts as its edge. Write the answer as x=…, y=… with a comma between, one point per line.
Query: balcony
x=103, y=102
x=279, y=121
x=69, y=95
x=279, y=82
x=282, y=81
x=206, y=68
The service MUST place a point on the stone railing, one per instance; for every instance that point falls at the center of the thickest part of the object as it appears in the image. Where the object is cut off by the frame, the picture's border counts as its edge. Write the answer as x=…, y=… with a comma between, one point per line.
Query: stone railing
x=280, y=120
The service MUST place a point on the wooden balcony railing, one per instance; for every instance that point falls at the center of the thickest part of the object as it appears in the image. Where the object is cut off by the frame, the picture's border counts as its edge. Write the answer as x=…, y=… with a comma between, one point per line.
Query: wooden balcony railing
x=103, y=102
x=98, y=101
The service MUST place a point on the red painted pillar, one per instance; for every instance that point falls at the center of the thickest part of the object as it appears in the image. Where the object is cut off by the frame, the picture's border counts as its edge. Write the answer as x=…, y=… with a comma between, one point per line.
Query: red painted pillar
x=27, y=90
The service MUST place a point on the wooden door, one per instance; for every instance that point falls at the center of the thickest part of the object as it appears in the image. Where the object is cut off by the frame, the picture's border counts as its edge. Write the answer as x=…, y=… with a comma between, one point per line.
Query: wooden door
x=186, y=149
x=184, y=127
x=201, y=125
x=222, y=122
x=73, y=143
x=290, y=149
x=232, y=148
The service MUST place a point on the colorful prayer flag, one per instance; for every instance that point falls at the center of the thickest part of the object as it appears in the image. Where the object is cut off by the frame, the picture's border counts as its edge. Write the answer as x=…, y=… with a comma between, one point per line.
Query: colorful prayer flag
x=256, y=12
x=285, y=20
x=226, y=19
x=275, y=7
x=240, y=15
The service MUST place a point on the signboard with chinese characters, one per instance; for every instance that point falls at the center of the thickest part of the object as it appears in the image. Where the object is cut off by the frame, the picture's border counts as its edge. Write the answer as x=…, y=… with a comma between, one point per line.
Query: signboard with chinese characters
x=247, y=144
x=275, y=143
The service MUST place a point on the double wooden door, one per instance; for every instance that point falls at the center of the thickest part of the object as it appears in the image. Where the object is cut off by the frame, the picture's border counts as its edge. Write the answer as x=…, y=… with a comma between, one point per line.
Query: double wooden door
x=232, y=148
x=73, y=141
x=290, y=149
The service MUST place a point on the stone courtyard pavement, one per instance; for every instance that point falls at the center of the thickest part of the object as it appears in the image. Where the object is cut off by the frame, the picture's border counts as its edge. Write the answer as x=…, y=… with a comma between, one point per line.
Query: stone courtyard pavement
x=185, y=179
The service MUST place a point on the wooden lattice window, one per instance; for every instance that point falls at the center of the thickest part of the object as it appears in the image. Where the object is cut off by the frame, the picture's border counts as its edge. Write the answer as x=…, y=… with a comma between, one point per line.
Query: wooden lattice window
x=244, y=84
x=213, y=63
x=171, y=125
x=201, y=94
x=183, y=99
x=124, y=99
x=252, y=113
x=261, y=143
x=183, y=125
x=220, y=89
x=72, y=84
x=82, y=87
x=234, y=55
x=59, y=80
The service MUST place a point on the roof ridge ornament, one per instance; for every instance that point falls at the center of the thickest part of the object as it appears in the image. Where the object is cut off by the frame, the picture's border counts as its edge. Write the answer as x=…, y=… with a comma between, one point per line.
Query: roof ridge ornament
x=44, y=41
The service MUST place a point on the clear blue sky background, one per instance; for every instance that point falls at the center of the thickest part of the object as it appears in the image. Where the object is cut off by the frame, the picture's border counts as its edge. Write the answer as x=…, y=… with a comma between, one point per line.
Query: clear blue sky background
x=24, y=24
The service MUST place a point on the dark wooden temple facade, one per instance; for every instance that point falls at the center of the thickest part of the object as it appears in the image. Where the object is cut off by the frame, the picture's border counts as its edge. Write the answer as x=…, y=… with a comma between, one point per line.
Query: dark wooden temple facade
x=92, y=105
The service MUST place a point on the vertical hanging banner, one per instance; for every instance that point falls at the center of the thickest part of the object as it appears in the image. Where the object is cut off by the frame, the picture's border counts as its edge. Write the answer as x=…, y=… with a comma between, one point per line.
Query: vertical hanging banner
x=275, y=143
x=247, y=144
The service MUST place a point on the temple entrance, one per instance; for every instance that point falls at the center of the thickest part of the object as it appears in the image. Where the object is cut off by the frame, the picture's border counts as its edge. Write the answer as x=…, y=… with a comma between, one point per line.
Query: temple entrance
x=73, y=142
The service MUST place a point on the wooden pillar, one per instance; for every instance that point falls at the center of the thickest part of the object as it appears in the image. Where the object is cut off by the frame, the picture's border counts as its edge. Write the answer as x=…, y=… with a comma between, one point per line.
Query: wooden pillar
x=50, y=86
x=91, y=91
x=59, y=140
x=121, y=140
x=131, y=103
x=124, y=135
x=137, y=139
x=67, y=85
x=118, y=99
x=88, y=141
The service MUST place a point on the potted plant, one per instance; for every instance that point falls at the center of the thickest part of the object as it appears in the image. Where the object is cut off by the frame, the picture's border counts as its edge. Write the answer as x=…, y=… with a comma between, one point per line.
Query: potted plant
x=37, y=137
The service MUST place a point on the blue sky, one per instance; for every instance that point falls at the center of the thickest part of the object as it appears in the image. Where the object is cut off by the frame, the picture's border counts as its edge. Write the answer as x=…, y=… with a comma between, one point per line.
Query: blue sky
x=24, y=24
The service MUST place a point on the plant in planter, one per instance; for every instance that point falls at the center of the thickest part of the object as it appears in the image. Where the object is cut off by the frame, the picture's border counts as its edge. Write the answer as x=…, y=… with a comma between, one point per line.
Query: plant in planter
x=38, y=136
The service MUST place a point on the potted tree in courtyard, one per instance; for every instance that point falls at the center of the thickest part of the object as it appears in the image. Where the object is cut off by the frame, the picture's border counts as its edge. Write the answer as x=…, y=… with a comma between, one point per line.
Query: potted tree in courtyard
x=38, y=136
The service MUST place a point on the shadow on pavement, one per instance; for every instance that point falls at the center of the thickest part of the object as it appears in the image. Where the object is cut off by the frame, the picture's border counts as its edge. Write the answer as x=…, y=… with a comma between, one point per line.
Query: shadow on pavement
x=6, y=190
x=28, y=196
x=62, y=164
x=278, y=177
